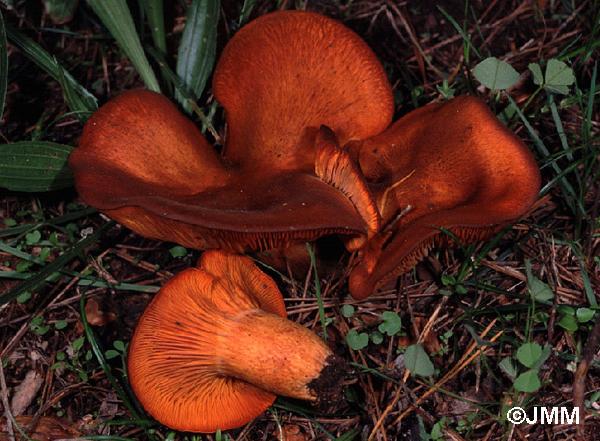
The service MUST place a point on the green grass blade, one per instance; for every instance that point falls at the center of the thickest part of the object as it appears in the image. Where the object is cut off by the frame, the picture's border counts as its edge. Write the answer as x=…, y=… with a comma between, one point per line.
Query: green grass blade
x=196, y=55
x=559, y=128
x=313, y=264
x=156, y=19
x=49, y=64
x=115, y=15
x=56, y=265
x=87, y=281
x=461, y=31
x=587, y=123
x=76, y=102
x=570, y=196
x=177, y=83
x=35, y=166
x=59, y=220
x=60, y=11
x=3, y=65
x=247, y=8
x=116, y=385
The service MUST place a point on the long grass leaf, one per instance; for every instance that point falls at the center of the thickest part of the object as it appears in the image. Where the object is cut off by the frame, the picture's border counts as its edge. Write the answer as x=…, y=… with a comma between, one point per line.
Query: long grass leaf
x=196, y=55
x=570, y=196
x=91, y=338
x=460, y=30
x=49, y=64
x=177, y=83
x=587, y=123
x=35, y=166
x=313, y=264
x=3, y=65
x=76, y=102
x=247, y=8
x=156, y=19
x=115, y=15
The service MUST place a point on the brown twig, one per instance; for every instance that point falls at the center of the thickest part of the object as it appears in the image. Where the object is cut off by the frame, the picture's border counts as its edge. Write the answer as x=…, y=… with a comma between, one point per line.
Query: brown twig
x=591, y=347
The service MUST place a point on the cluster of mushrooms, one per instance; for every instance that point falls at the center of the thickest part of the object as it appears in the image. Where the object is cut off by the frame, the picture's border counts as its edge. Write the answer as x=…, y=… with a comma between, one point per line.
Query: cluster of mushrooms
x=310, y=151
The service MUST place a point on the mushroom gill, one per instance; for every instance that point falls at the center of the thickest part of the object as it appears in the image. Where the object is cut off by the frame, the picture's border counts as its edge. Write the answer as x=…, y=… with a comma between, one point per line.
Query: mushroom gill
x=213, y=349
x=443, y=168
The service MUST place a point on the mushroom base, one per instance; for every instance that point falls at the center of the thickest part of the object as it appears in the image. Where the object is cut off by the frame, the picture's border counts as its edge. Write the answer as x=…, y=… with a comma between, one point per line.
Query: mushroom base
x=327, y=387
x=279, y=356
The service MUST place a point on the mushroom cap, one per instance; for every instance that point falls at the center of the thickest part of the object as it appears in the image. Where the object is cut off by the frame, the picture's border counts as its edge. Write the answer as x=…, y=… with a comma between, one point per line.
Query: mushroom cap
x=173, y=366
x=284, y=75
x=450, y=166
x=280, y=78
x=147, y=166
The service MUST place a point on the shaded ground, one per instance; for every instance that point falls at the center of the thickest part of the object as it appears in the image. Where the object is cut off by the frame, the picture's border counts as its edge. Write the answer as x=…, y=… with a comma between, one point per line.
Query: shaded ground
x=451, y=302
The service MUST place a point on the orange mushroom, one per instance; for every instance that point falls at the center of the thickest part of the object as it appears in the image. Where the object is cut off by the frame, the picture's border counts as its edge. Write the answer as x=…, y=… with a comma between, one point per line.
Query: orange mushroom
x=214, y=347
x=308, y=153
x=450, y=167
x=280, y=78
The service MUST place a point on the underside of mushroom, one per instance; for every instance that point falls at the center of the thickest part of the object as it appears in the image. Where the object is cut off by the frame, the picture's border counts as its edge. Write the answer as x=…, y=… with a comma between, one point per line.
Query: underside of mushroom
x=213, y=349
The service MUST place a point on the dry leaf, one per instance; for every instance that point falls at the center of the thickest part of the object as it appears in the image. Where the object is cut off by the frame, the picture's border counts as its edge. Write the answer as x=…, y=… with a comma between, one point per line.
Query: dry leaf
x=47, y=429
x=26, y=392
x=96, y=316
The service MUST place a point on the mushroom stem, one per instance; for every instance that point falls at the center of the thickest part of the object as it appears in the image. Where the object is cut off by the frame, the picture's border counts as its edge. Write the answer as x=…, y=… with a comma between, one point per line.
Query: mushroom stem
x=279, y=356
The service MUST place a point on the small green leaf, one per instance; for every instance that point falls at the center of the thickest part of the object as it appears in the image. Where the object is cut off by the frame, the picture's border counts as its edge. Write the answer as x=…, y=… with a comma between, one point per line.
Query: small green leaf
x=460, y=289
x=83, y=376
x=584, y=315
x=178, y=251
x=508, y=367
x=23, y=298
x=119, y=345
x=538, y=76
x=495, y=74
x=60, y=324
x=437, y=431
x=540, y=291
x=78, y=343
x=348, y=311
x=38, y=325
x=111, y=353
x=356, y=340
x=569, y=323
x=60, y=356
x=559, y=76
x=417, y=361
x=376, y=337
x=546, y=351
x=33, y=237
x=529, y=353
x=115, y=15
x=34, y=166
x=566, y=310
x=391, y=323
x=448, y=280
x=528, y=381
